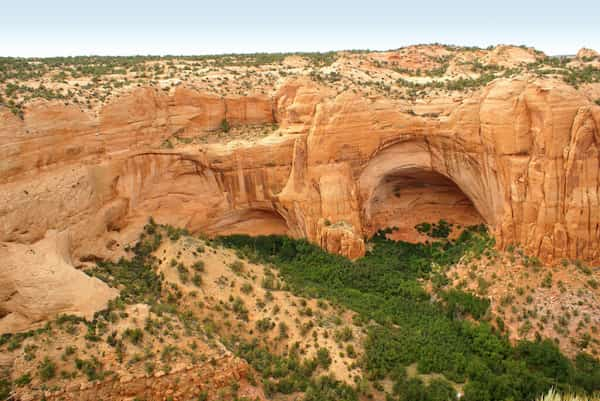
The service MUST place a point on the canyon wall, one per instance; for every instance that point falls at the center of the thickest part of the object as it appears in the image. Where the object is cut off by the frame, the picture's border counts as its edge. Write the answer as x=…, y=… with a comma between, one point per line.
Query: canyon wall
x=520, y=155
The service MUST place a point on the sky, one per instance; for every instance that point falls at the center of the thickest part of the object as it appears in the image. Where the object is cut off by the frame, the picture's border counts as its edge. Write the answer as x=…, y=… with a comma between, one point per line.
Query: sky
x=44, y=28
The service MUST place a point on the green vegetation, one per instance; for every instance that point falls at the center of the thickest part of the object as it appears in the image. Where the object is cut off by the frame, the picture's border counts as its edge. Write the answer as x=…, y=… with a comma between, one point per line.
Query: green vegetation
x=4, y=389
x=47, y=369
x=97, y=66
x=385, y=286
x=452, y=85
x=344, y=335
x=440, y=229
x=264, y=325
x=585, y=75
x=409, y=389
x=237, y=266
x=23, y=380
x=31, y=68
x=92, y=368
x=460, y=303
x=323, y=357
x=225, y=125
x=137, y=277
x=558, y=66
x=288, y=373
x=133, y=335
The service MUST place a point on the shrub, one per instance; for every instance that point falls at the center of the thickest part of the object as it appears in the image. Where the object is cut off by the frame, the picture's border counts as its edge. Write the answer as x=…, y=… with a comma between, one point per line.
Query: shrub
x=23, y=380
x=184, y=274
x=440, y=390
x=225, y=125
x=283, y=330
x=264, y=325
x=323, y=357
x=134, y=335
x=547, y=280
x=5, y=389
x=344, y=335
x=239, y=308
x=237, y=266
x=47, y=369
x=198, y=266
x=460, y=303
x=441, y=229
x=350, y=351
x=91, y=367
x=246, y=288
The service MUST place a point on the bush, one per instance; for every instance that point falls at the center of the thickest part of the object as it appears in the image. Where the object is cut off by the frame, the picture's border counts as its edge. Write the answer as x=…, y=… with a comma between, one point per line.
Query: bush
x=344, y=335
x=237, y=266
x=21, y=381
x=5, y=389
x=264, y=325
x=440, y=390
x=350, y=351
x=547, y=281
x=198, y=266
x=329, y=389
x=246, y=288
x=239, y=308
x=225, y=125
x=323, y=357
x=134, y=335
x=184, y=274
x=283, y=330
x=47, y=369
x=441, y=229
x=460, y=303
x=91, y=367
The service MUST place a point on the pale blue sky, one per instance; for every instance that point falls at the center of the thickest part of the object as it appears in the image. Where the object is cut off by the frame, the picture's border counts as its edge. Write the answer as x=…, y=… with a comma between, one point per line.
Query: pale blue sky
x=68, y=27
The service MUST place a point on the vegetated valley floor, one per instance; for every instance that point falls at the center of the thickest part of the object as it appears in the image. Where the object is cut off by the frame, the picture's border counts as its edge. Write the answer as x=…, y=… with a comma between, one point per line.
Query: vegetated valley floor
x=404, y=322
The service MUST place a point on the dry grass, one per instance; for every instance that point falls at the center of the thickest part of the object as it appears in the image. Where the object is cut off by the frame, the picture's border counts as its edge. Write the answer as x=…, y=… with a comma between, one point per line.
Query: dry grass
x=553, y=395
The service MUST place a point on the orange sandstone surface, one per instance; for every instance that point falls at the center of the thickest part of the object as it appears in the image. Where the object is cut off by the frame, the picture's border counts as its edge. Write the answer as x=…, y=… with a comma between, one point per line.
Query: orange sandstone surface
x=520, y=154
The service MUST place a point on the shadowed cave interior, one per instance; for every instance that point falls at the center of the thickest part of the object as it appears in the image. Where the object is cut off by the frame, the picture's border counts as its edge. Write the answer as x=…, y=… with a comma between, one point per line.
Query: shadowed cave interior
x=408, y=197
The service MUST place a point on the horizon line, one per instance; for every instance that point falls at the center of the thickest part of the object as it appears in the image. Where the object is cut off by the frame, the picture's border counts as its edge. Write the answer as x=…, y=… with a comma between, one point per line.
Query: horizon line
x=291, y=52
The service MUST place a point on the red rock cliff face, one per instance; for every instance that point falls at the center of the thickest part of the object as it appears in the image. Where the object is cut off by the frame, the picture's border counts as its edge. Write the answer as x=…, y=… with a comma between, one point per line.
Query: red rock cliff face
x=520, y=155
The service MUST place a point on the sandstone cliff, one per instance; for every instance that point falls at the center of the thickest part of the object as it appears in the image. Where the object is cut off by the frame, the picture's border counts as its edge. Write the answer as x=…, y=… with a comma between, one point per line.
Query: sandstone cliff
x=520, y=154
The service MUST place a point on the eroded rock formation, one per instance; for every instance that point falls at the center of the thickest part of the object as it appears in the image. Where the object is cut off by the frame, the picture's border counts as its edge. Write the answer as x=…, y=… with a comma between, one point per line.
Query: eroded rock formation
x=520, y=155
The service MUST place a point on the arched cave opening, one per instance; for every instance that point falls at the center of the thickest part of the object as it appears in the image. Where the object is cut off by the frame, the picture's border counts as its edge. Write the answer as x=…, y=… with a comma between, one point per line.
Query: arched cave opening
x=248, y=221
x=408, y=197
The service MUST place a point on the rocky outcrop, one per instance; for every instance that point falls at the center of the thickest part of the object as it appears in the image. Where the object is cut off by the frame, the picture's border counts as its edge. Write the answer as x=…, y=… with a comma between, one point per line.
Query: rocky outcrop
x=510, y=56
x=39, y=281
x=520, y=155
x=585, y=53
x=184, y=382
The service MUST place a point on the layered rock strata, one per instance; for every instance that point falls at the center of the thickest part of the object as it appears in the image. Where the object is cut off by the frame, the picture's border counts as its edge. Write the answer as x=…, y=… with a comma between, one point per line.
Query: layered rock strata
x=520, y=155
